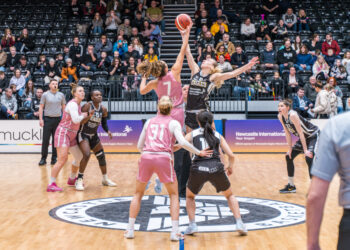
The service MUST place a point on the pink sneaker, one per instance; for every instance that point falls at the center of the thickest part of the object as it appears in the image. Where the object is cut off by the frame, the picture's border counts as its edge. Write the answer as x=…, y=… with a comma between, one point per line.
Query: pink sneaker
x=71, y=182
x=53, y=188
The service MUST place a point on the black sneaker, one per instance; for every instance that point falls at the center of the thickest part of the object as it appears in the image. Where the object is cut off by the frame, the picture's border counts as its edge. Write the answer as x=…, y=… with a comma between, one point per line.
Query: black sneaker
x=53, y=161
x=288, y=189
x=42, y=162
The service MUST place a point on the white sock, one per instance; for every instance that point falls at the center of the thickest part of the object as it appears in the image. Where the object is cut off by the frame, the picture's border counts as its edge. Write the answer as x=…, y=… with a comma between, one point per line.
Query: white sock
x=175, y=225
x=52, y=180
x=131, y=224
x=104, y=177
x=239, y=220
x=291, y=181
x=192, y=222
x=72, y=175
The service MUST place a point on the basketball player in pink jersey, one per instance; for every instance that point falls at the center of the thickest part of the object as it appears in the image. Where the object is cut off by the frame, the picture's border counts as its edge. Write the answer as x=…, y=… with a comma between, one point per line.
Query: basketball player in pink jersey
x=156, y=145
x=66, y=133
x=168, y=83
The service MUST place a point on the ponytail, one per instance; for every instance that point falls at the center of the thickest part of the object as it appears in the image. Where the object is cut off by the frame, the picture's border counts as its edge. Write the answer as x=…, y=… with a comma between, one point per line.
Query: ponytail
x=205, y=119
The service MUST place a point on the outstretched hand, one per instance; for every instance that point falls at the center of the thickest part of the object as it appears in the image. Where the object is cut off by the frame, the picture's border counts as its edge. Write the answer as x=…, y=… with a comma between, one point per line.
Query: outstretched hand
x=186, y=32
x=253, y=61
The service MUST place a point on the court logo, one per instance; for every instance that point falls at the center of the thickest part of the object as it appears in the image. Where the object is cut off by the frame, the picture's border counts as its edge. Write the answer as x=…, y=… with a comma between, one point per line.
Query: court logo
x=212, y=213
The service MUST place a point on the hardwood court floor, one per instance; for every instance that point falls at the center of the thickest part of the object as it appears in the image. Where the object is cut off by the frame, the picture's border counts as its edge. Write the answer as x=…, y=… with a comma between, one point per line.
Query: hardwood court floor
x=26, y=224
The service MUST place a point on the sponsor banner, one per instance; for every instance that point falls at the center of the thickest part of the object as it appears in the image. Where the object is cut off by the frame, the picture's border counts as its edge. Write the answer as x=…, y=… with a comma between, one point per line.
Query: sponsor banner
x=259, y=135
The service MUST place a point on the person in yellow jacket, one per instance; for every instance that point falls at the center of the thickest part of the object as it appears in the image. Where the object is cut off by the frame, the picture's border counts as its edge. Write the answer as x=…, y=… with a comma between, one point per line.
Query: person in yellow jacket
x=151, y=56
x=69, y=72
x=215, y=28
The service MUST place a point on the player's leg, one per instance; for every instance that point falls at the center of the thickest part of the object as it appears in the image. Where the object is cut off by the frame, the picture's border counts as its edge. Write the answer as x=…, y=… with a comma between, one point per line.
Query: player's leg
x=62, y=153
x=174, y=208
x=101, y=157
x=290, y=187
x=77, y=157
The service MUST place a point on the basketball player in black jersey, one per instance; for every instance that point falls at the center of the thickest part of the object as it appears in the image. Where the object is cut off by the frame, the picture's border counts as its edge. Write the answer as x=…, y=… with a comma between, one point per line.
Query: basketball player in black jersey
x=88, y=139
x=211, y=169
x=204, y=80
x=295, y=124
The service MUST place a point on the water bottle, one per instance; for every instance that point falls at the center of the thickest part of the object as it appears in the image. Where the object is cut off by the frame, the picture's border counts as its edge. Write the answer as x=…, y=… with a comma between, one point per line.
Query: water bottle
x=182, y=241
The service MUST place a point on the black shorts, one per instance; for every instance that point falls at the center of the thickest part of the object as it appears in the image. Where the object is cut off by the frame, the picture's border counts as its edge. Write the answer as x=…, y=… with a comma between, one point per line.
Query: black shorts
x=93, y=140
x=311, y=143
x=216, y=175
x=191, y=120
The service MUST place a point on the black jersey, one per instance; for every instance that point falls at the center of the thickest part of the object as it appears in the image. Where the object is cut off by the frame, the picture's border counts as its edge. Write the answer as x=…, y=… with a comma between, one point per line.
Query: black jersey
x=198, y=92
x=308, y=128
x=91, y=126
x=200, y=142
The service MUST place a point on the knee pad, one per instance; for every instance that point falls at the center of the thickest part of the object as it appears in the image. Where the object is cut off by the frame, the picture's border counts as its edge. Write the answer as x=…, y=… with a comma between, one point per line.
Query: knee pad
x=77, y=155
x=100, y=155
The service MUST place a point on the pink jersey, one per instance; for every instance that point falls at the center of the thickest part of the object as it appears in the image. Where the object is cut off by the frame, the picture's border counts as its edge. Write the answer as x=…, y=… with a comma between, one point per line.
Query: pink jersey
x=167, y=85
x=66, y=121
x=158, y=136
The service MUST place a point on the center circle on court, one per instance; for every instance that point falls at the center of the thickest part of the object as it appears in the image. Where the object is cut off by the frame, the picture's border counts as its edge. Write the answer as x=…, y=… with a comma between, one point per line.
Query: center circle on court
x=212, y=213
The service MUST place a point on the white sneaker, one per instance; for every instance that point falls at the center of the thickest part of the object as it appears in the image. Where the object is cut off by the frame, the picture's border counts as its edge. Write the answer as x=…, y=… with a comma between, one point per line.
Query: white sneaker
x=129, y=234
x=241, y=228
x=79, y=184
x=158, y=187
x=191, y=229
x=174, y=236
x=108, y=183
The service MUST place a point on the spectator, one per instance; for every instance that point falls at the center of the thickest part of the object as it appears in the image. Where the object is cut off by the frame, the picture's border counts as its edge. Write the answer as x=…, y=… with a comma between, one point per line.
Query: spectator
x=3, y=82
x=129, y=7
x=344, y=62
x=10, y=103
x=125, y=27
x=28, y=94
x=320, y=69
x=243, y=85
x=52, y=72
x=338, y=70
x=263, y=32
x=101, y=7
x=301, y=104
x=148, y=28
x=18, y=80
x=214, y=10
x=303, y=21
x=247, y=30
x=201, y=20
x=88, y=10
x=286, y=57
x=208, y=50
x=224, y=65
x=119, y=46
x=330, y=44
x=314, y=44
x=12, y=59
x=322, y=105
x=136, y=35
x=76, y=50
x=115, y=6
x=280, y=30
x=151, y=56
x=208, y=40
x=103, y=45
x=259, y=85
x=205, y=29
x=130, y=84
x=238, y=58
x=223, y=51
x=103, y=63
x=65, y=52
x=24, y=67
x=35, y=104
x=115, y=70
x=216, y=26
x=41, y=64
x=97, y=24
x=219, y=14
x=199, y=10
x=292, y=82
x=112, y=22
x=88, y=61
x=270, y=6
x=115, y=55
x=338, y=92
x=310, y=91
x=290, y=19
x=131, y=63
x=141, y=9
x=277, y=85
x=137, y=45
x=133, y=53
x=69, y=72
x=8, y=40
x=297, y=44
x=333, y=100
x=228, y=45
x=74, y=9
x=137, y=22
x=330, y=58
x=60, y=61
x=219, y=36
x=304, y=59
x=3, y=58
x=155, y=15
x=268, y=58
x=24, y=42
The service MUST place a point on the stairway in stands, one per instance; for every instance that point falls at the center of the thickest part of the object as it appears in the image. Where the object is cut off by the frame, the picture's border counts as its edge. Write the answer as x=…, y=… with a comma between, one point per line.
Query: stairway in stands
x=172, y=40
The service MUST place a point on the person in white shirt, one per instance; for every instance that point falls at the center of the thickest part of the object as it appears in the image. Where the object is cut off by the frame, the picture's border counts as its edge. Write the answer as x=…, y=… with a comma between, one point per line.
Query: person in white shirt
x=247, y=30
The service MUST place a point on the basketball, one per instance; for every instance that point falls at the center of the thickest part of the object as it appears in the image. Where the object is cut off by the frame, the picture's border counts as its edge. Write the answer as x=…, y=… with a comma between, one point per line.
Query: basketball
x=182, y=21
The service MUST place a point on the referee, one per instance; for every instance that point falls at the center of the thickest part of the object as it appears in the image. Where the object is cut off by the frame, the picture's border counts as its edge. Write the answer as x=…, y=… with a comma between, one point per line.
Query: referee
x=52, y=104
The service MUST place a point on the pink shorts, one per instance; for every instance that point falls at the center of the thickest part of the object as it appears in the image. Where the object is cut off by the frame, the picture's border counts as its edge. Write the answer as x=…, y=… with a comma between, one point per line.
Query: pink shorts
x=162, y=165
x=179, y=115
x=65, y=137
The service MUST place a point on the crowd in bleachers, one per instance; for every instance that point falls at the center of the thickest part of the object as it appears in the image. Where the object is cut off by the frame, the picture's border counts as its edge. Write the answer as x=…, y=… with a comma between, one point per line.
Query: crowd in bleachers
x=89, y=42
x=298, y=43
